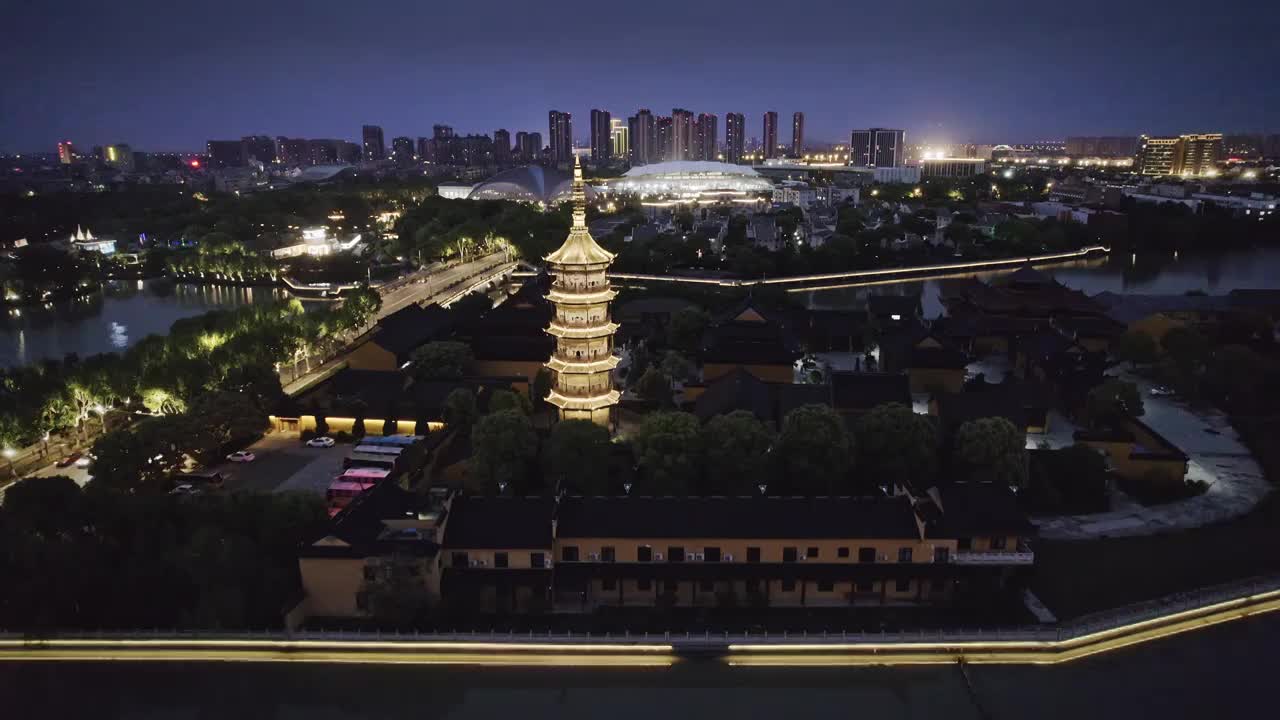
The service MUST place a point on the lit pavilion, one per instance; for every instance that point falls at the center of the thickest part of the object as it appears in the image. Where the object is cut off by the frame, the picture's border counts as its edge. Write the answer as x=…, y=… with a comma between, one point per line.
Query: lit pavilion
x=583, y=359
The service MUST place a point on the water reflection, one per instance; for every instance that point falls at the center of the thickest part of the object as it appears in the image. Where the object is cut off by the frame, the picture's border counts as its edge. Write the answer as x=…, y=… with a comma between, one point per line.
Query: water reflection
x=1151, y=273
x=124, y=313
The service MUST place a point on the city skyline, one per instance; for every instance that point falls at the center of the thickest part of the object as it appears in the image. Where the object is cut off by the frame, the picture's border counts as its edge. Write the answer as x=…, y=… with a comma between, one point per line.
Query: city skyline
x=1005, y=76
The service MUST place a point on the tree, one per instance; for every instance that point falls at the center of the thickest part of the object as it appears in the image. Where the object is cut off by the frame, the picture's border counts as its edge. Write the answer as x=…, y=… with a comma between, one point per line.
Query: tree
x=141, y=457
x=737, y=447
x=896, y=446
x=441, y=360
x=222, y=418
x=1068, y=480
x=815, y=452
x=1112, y=402
x=684, y=332
x=676, y=366
x=1186, y=347
x=576, y=455
x=47, y=505
x=397, y=594
x=1237, y=376
x=460, y=410
x=503, y=442
x=1137, y=348
x=669, y=449
x=501, y=400
x=992, y=449
x=358, y=307
x=655, y=387
x=541, y=387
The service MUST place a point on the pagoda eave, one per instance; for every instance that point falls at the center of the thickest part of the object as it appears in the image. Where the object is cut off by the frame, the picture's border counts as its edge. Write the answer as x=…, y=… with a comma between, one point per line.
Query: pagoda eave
x=583, y=368
x=594, y=402
x=587, y=333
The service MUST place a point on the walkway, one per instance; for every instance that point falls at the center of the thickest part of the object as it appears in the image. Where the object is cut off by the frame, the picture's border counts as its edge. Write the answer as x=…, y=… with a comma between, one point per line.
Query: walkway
x=1217, y=457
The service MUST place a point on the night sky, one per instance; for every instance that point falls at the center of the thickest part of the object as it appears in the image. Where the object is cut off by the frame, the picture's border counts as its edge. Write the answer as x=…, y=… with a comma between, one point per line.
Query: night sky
x=169, y=75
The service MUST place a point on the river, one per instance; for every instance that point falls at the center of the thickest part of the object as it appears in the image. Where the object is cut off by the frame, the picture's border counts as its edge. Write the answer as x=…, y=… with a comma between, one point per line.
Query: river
x=1147, y=273
x=1224, y=671
x=129, y=311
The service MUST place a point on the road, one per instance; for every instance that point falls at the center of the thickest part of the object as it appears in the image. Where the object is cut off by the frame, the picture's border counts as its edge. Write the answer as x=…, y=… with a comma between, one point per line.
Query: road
x=1216, y=456
x=429, y=286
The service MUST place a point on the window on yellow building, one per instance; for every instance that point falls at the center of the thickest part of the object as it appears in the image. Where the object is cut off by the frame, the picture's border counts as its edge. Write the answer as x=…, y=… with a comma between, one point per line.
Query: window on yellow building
x=500, y=560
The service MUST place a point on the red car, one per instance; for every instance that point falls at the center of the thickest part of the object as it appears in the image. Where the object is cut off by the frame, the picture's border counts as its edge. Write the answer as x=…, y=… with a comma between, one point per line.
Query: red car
x=68, y=461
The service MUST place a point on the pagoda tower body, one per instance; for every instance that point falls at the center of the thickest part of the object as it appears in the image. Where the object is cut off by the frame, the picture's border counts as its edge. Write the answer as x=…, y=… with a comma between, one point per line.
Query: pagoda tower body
x=583, y=361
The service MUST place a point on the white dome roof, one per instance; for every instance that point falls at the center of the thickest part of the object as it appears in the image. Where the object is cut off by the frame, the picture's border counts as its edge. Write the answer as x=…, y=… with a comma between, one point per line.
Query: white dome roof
x=691, y=167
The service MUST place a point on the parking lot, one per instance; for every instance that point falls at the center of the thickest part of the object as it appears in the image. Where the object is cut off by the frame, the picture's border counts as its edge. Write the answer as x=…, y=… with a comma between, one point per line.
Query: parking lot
x=283, y=463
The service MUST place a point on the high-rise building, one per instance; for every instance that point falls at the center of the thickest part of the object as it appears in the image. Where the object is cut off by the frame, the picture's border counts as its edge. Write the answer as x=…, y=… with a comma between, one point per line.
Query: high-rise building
x=326, y=151
x=560, y=125
x=644, y=137
x=797, y=134
x=1201, y=154
x=1192, y=155
x=877, y=147
x=425, y=149
x=374, y=147
x=771, y=134
x=501, y=147
x=402, y=149
x=66, y=152
x=664, y=141
x=533, y=145
x=1159, y=156
x=734, y=137
x=226, y=153
x=349, y=152
x=619, y=139
x=441, y=132
x=259, y=147
x=463, y=150
x=119, y=156
x=706, y=140
x=601, y=142
x=293, y=152
x=583, y=361
x=681, y=134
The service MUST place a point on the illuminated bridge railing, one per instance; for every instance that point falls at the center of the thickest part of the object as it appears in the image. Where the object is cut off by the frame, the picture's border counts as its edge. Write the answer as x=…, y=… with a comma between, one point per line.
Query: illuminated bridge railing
x=1203, y=599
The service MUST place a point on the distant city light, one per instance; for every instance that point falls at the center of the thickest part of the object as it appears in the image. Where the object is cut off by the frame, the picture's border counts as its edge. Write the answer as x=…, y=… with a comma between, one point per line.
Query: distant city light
x=195, y=163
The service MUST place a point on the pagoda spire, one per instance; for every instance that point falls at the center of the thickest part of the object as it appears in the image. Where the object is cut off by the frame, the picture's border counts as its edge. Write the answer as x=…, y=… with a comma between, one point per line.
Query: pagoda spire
x=583, y=360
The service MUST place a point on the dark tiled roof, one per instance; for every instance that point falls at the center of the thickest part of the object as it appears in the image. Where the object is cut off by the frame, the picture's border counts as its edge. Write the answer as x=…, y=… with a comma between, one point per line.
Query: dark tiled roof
x=863, y=391
x=736, y=517
x=955, y=409
x=496, y=523
x=769, y=402
x=970, y=509
x=513, y=347
x=361, y=525
x=380, y=391
x=1098, y=326
x=735, y=390
x=411, y=327
x=904, y=305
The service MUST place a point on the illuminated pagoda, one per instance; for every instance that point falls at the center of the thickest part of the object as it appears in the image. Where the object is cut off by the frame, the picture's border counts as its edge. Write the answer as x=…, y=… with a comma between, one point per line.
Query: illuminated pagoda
x=583, y=359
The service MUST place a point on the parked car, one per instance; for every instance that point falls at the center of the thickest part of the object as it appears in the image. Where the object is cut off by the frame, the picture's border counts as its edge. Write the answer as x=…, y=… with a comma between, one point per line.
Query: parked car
x=1161, y=391
x=68, y=460
x=241, y=456
x=184, y=490
x=324, y=441
x=84, y=460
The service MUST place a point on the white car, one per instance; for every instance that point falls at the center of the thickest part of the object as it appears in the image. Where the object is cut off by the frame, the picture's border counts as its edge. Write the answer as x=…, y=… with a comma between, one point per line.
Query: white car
x=83, y=461
x=1161, y=391
x=241, y=456
x=184, y=490
x=323, y=441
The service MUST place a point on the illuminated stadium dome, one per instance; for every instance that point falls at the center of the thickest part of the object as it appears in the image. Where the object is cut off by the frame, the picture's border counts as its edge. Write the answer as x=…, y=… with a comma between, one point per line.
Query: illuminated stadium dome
x=691, y=179
x=534, y=184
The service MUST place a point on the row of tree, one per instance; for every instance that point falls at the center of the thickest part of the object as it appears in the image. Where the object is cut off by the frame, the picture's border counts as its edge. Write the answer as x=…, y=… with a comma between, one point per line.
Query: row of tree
x=96, y=558
x=165, y=374
x=813, y=453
